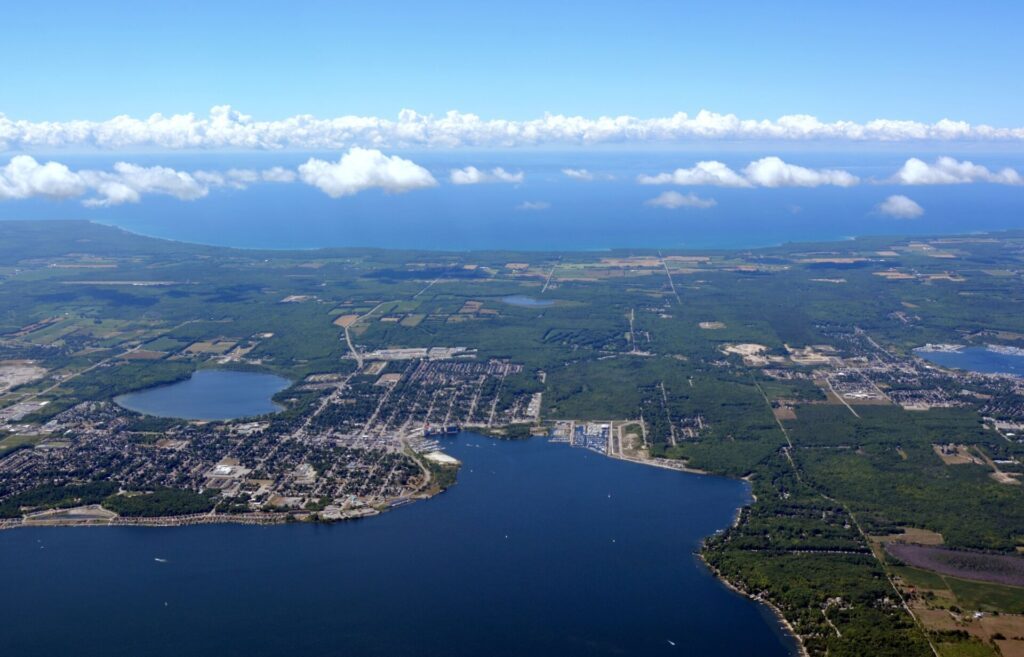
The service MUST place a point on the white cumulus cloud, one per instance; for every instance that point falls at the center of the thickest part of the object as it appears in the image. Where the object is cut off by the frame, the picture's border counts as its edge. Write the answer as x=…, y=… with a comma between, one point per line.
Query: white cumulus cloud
x=111, y=192
x=773, y=172
x=226, y=127
x=215, y=179
x=673, y=200
x=949, y=171
x=360, y=169
x=766, y=172
x=242, y=178
x=473, y=176
x=278, y=175
x=127, y=183
x=703, y=173
x=533, y=206
x=24, y=177
x=900, y=207
x=578, y=174
x=467, y=176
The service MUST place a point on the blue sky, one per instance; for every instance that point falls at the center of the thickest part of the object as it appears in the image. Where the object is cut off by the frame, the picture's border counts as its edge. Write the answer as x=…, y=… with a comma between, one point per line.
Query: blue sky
x=350, y=97
x=919, y=61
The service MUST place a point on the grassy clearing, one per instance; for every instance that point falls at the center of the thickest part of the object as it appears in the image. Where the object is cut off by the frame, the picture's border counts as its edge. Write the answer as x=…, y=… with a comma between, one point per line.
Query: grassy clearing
x=987, y=597
x=969, y=648
x=921, y=578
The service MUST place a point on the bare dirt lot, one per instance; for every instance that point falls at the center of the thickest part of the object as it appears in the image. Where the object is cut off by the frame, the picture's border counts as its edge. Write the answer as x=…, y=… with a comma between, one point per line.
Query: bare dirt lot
x=956, y=454
x=143, y=354
x=345, y=321
x=93, y=512
x=784, y=412
x=375, y=368
x=752, y=353
x=914, y=535
x=210, y=347
x=18, y=372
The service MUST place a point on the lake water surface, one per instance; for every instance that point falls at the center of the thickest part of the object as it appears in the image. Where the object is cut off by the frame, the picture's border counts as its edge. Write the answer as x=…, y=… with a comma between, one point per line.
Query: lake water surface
x=209, y=395
x=976, y=359
x=539, y=550
x=527, y=302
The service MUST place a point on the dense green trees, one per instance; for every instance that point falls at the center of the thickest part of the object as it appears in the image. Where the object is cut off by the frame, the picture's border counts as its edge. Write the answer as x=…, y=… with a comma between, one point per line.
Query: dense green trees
x=163, y=502
x=54, y=497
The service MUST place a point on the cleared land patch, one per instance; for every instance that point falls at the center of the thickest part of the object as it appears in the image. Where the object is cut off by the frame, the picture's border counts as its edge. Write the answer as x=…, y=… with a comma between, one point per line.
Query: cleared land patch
x=956, y=454
x=143, y=354
x=16, y=373
x=210, y=347
x=752, y=353
x=982, y=566
x=345, y=321
x=914, y=535
x=784, y=411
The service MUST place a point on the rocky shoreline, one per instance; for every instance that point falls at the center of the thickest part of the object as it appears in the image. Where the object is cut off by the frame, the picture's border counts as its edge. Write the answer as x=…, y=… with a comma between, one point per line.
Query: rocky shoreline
x=256, y=518
x=159, y=521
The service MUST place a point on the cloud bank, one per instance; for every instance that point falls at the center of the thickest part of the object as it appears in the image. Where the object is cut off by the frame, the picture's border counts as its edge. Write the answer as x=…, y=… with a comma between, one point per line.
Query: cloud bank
x=357, y=170
x=24, y=177
x=360, y=169
x=128, y=182
x=674, y=200
x=900, y=207
x=474, y=176
x=766, y=172
x=226, y=127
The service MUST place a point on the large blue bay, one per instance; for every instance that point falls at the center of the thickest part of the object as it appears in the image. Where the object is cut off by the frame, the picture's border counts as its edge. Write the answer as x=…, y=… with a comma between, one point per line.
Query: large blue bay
x=539, y=550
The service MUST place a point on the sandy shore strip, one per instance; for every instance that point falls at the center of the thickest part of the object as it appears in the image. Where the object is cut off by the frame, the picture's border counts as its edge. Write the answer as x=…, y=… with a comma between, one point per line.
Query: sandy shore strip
x=666, y=464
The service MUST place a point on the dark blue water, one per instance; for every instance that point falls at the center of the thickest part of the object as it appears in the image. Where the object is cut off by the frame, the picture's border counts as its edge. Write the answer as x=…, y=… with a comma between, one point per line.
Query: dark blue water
x=607, y=212
x=209, y=395
x=527, y=302
x=976, y=359
x=539, y=550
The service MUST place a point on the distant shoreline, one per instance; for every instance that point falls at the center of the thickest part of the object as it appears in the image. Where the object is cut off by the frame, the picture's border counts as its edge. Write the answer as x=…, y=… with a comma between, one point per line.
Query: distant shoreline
x=313, y=250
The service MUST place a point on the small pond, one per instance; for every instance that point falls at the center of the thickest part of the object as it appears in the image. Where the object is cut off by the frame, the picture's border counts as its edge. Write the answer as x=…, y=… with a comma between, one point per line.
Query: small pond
x=527, y=302
x=209, y=395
